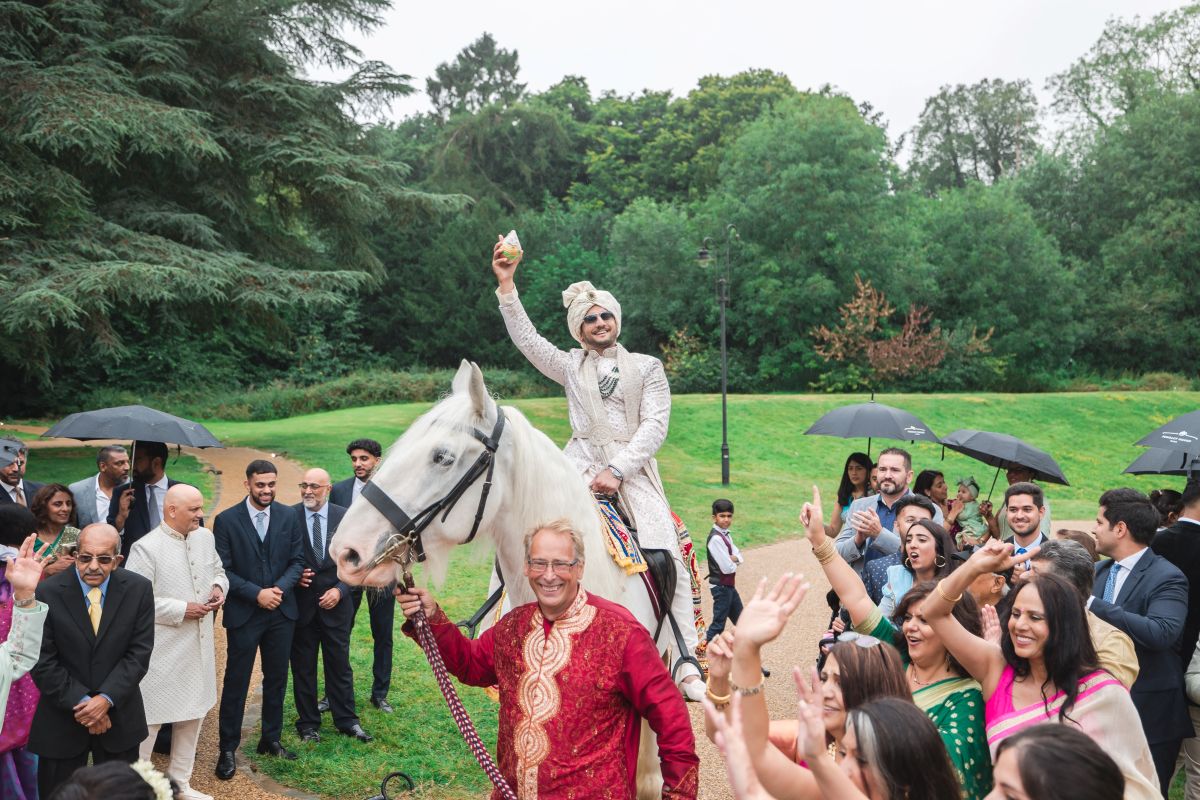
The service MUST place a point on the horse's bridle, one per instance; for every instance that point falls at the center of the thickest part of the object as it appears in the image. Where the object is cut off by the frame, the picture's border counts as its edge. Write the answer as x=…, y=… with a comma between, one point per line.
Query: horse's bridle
x=407, y=530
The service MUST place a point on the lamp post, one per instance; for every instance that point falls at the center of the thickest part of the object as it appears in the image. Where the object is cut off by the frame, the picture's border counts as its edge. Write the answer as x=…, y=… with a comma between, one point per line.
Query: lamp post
x=723, y=265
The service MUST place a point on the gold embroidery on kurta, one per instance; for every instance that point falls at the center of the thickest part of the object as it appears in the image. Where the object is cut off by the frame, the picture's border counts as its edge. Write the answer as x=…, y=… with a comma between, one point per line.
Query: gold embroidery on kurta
x=538, y=696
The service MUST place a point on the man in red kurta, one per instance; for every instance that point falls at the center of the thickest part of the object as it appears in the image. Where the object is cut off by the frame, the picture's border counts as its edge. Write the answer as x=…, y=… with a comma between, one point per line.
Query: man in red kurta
x=577, y=674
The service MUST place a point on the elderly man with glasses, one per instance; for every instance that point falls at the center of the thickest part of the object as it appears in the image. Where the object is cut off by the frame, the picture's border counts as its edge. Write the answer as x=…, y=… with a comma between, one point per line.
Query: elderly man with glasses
x=326, y=616
x=576, y=675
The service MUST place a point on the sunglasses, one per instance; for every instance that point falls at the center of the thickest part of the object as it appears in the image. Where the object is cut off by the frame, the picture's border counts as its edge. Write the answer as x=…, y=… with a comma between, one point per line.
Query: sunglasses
x=314, y=486
x=860, y=639
x=607, y=316
x=87, y=558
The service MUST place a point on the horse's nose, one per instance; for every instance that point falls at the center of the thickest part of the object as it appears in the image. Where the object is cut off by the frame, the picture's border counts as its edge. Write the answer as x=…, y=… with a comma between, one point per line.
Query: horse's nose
x=350, y=556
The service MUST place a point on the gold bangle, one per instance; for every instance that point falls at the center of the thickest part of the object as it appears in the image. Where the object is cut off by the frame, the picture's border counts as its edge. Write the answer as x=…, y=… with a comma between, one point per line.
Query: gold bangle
x=950, y=600
x=750, y=691
x=720, y=701
x=825, y=552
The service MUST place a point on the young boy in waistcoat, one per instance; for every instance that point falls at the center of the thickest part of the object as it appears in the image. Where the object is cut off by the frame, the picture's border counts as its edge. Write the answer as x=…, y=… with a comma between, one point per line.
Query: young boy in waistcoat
x=723, y=560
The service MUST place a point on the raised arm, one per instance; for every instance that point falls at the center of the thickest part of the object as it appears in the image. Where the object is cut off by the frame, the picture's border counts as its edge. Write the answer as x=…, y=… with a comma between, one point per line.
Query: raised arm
x=981, y=658
x=549, y=360
x=843, y=579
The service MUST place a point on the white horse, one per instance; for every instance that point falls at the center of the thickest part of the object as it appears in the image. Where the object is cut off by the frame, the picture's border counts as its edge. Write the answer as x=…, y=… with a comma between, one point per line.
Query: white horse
x=533, y=483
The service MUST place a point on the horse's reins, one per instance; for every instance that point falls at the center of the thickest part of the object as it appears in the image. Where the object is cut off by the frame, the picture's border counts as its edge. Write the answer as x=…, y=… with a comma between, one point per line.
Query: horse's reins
x=408, y=532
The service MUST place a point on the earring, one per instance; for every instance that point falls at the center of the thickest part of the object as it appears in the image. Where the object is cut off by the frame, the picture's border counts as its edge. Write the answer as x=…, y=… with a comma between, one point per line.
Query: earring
x=936, y=564
x=907, y=563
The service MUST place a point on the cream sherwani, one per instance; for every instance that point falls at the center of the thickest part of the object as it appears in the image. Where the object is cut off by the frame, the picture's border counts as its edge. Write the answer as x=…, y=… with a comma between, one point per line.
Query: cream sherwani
x=637, y=414
x=181, y=685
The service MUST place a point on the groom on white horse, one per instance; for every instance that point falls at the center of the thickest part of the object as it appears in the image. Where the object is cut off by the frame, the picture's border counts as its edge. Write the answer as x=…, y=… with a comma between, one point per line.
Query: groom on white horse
x=619, y=405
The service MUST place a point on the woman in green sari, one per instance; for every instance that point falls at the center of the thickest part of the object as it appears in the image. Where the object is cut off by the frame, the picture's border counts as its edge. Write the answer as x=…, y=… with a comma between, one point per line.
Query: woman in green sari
x=54, y=509
x=940, y=686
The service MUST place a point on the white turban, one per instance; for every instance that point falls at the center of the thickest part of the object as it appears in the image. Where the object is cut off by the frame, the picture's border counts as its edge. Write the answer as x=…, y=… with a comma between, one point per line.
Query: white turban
x=579, y=297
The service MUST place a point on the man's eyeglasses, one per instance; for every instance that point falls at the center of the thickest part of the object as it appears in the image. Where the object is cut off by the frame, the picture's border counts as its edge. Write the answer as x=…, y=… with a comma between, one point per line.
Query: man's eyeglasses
x=860, y=639
x=607, y=316
x=539, y=565
x=87, y=558
x=304, y=487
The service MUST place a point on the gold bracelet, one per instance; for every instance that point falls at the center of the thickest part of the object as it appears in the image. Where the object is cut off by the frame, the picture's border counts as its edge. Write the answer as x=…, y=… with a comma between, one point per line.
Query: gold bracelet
x=950, y=600
x=825, y=552
x=751, y=690
x=720, y=701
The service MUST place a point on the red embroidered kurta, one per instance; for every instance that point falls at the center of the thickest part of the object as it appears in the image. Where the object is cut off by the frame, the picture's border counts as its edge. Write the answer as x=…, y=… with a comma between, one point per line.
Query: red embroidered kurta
x=572, y=695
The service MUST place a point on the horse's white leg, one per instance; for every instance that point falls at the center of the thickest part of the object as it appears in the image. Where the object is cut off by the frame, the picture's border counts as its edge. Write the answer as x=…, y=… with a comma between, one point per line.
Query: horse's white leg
x=649, y=770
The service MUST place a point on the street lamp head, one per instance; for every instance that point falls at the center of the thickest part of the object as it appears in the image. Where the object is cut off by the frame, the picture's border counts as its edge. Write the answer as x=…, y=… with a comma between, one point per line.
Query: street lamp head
x=703, y=255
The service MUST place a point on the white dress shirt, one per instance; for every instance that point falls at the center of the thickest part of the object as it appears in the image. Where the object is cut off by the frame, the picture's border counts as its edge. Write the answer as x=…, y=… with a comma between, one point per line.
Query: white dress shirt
x=103, y=501
x=323, y=513
x=1127, y=564
x=727, y=559
x=254, y=512
x=356, y=489
x=160, y=495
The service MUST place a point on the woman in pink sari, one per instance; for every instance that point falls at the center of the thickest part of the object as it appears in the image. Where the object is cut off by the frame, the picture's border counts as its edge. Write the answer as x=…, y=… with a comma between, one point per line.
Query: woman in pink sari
x=1044, y=670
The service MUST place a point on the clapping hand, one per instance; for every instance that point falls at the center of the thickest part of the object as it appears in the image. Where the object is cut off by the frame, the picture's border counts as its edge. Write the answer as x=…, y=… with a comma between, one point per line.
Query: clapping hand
x=732, y=743
x=991, y=624
x=767, y=612
x=720, y=657
x=24, y=571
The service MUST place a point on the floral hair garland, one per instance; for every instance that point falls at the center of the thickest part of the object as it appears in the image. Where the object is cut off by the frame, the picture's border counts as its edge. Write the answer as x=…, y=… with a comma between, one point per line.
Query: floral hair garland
x=158, y=782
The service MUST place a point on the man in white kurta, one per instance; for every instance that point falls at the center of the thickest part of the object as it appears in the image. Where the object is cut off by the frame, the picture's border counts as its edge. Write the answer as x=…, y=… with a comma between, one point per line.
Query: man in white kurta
x=619, y=405
x=180, y=559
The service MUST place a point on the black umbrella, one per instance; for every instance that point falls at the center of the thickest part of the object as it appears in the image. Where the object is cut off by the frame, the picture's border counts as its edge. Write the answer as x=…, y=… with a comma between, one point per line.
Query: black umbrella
x=1160, y=461
x=1000, y=450
x=1181, y=433
x=872, y=421
x=133, y=422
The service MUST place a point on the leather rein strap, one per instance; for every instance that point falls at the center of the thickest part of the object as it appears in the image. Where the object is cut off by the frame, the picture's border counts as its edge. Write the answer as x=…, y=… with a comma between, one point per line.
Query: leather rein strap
x=407, y=530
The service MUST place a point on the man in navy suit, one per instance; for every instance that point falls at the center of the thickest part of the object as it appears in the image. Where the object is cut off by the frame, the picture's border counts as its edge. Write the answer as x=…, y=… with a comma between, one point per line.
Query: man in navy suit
x=326, y=617
x=13, y=486
x=137, y=507
x=1180, y=544
x=365, y=455
x=1145, y=596
x=262, y=552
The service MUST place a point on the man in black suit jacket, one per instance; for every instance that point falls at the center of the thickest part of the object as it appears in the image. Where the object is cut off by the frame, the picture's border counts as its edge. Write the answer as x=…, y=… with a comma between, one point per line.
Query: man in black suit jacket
x=136, y=508
x=260, y=548
x=96, y=648
x=1145, y=595
x=1180, y=544
x=365, y=455
x=326, y=618
x=13, y=455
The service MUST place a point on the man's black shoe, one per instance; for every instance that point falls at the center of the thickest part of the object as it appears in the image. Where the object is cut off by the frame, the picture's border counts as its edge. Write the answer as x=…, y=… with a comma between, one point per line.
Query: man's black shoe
x=276, y=749
x=357, y=732
x=226, y=765
x=382, y=704
x=323, y=705
x=310, y=735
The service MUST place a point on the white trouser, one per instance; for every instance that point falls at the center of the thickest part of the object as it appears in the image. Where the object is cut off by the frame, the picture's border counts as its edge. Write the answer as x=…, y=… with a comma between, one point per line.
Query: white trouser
x=184, y=737
x=682, y=611
x=1189, y=758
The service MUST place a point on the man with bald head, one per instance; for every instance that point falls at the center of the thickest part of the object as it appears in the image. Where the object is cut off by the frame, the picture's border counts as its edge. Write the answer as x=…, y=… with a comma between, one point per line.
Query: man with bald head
x=96, y=648
x=180, y=560
x=326, y=615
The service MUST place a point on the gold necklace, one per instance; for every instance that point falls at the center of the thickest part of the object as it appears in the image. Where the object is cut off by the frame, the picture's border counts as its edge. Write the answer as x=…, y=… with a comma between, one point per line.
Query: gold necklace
x=912, y=676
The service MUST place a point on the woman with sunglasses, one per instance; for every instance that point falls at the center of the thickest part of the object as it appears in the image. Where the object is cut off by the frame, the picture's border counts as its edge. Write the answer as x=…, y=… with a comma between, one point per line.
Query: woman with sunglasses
x=940, y=686
x=857, y=671
x=928, y=553
x=1044, y=669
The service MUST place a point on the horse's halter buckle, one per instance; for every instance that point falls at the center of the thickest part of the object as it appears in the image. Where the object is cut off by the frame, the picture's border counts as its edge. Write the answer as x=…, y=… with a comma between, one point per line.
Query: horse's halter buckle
x=406, y=534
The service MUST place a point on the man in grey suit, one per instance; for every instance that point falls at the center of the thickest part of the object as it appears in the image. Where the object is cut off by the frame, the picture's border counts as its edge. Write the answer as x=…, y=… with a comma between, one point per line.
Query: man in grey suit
x=1145, y=596
x=93, y=495
x=13, y=486
x=868, y=532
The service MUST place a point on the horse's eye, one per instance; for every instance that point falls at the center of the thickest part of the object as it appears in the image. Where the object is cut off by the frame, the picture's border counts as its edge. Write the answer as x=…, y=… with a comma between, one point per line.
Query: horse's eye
x=442, y=457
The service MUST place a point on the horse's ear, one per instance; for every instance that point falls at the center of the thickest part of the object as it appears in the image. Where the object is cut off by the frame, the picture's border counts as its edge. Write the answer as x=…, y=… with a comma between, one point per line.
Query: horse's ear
x=480, y=401
x=462, y=379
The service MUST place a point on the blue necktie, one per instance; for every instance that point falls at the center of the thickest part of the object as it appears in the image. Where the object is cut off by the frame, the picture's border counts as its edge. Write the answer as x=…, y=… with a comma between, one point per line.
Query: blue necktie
x=1110, y=585
x=260, y=524
x=1020, y=551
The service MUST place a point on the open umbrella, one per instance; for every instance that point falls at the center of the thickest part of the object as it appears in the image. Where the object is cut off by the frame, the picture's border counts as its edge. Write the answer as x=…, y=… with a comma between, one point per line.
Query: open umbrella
x=1160, y=461
x=1181, y=433
x=133, y=422
x=872, y=421
x=1002, y=451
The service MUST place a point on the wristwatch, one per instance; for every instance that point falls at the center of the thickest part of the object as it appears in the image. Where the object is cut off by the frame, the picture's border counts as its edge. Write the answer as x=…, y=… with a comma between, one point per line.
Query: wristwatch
x=616, y=473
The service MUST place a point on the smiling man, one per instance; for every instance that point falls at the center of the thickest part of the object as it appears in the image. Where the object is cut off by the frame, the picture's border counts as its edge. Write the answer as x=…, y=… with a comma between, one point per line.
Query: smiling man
x=576, y=673
x=619, y=404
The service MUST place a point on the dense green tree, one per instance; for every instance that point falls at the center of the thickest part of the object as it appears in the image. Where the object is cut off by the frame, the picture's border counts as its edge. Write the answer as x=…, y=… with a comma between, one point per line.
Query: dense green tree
x=980, y=132
x=167, y=164
x=483, y=74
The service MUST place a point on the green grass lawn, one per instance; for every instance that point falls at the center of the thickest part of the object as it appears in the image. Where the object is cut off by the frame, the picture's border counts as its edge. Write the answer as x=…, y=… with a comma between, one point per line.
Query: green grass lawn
x=66, y=465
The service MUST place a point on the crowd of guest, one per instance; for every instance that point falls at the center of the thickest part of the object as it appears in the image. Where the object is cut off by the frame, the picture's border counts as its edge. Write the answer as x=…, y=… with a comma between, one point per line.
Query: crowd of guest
x=108, y=592
x=1043, y=666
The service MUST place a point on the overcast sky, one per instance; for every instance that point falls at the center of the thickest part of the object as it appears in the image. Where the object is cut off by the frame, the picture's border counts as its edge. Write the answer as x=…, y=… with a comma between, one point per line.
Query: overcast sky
x=893, y=54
